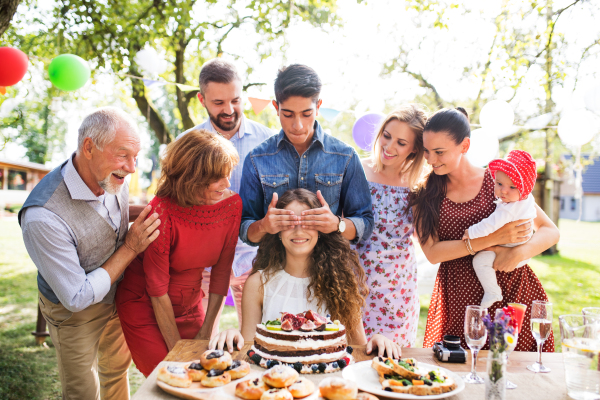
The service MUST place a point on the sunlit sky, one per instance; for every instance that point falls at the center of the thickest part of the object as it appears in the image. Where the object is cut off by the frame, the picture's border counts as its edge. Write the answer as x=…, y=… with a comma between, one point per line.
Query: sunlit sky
x=350, y=59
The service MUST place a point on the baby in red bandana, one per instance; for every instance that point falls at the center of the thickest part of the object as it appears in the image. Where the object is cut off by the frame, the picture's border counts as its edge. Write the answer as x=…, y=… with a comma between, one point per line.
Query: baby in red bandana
x=514, y=179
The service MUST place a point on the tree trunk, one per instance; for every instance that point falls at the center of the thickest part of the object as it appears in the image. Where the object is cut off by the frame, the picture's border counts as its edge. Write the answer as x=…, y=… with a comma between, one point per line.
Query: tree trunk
x=183, y=99
x=7, y=10
x=158, y=125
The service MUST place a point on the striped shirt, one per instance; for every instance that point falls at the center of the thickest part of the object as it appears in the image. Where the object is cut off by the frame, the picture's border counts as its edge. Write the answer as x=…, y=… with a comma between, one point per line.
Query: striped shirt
x=250, y=135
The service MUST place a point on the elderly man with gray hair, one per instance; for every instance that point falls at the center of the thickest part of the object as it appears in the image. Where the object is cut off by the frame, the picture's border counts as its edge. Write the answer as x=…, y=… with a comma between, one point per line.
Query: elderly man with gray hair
x=75, y=228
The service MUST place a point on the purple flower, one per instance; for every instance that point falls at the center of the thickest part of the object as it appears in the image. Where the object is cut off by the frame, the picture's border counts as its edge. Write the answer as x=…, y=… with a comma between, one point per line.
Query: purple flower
x=497, y=329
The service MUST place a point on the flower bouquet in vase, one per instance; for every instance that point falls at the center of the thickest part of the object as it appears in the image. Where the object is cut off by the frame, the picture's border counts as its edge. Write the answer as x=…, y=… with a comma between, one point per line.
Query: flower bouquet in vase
x=501, y=330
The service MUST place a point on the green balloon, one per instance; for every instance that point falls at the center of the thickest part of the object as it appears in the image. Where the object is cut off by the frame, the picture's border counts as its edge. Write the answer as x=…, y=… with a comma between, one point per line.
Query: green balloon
x=69, y=72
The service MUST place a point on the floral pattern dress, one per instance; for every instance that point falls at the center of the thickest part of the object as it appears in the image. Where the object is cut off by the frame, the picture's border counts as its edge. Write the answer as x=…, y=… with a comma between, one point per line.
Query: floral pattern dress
x=388, y=257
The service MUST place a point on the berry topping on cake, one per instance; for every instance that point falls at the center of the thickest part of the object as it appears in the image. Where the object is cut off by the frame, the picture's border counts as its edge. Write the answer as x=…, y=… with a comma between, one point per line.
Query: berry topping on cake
x=314, y=317
x=297, y=366
x=287, y=325
x=256, y=359
x=307, y=326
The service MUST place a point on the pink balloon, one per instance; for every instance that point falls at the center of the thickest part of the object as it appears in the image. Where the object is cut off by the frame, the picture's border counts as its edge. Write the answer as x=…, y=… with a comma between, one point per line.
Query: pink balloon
x=13, y=66
x=365, y=129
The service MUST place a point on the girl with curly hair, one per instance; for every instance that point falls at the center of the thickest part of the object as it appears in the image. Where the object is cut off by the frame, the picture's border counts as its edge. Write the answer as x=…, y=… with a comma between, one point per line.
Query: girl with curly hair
x=301, y=269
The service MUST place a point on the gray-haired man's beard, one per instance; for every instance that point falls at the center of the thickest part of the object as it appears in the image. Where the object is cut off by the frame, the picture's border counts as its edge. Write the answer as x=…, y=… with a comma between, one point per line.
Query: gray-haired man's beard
x=224, y=126
x=110, y=187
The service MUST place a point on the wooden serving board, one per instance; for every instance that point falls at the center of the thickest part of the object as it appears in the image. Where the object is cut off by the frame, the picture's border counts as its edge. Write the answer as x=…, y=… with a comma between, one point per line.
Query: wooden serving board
x=198, y=392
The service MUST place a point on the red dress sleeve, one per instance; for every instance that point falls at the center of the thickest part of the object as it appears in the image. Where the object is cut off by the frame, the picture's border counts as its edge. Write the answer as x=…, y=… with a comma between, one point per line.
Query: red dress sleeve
x=221, y=271
x=156, y=257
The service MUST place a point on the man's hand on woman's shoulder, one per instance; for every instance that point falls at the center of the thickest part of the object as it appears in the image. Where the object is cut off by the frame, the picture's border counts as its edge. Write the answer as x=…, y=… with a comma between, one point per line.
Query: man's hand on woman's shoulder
x=143, y=231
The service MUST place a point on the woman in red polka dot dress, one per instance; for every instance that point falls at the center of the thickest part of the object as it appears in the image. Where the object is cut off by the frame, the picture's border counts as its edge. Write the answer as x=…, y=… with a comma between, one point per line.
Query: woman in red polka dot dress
x=455, y=196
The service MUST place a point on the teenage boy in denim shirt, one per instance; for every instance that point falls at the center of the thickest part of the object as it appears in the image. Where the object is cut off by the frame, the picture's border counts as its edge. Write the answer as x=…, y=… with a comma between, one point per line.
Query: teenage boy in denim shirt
x=303, y=156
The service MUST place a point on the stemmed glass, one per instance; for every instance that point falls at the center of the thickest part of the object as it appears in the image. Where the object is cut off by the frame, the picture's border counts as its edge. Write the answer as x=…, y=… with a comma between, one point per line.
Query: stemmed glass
x=509, y=349
x=476, y=336
x=518, y=315
x=541, y=325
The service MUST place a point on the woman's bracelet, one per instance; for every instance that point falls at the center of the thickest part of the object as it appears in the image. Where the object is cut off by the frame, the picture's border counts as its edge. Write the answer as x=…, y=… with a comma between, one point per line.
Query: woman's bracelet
x=469, y=248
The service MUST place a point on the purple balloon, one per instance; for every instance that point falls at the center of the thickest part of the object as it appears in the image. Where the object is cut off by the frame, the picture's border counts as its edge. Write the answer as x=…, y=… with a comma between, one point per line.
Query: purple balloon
x=365, y=129
x=229, y=299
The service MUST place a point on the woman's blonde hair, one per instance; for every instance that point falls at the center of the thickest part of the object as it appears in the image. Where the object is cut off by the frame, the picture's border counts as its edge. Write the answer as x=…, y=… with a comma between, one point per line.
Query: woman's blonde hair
x=416, y=118
x=192, y=163
x=337, y=280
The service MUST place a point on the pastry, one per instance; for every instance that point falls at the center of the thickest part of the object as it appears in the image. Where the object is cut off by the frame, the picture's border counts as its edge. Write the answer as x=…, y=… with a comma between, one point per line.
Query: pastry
x=338, y=389
x=238, y=369
x=174, y=376
x=280, y=376
x=216, y=378
x=277, y=394
x=301, y=388
x=215, y=359
x=195, y=371
x=251, y=389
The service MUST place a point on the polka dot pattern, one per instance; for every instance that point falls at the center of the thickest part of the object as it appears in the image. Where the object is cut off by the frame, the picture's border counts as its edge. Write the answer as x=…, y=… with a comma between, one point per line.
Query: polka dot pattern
x=520, y=168
x=457, y=286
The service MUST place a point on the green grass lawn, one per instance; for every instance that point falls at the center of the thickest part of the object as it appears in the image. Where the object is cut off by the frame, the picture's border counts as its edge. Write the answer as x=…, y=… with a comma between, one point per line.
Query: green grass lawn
x=28, y=371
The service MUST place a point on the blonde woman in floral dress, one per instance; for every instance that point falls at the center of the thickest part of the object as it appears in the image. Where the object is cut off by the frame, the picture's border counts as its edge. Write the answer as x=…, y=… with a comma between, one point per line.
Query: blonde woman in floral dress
x=388, y=255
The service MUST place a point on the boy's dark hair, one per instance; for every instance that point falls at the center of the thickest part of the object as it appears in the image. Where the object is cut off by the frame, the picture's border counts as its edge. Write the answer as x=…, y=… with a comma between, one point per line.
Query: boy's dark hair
x=217, y=70
x=297, y=80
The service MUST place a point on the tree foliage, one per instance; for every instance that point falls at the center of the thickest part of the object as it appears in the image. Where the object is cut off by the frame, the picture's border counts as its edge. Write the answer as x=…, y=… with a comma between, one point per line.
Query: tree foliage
x=525, y=46
x=188, y=32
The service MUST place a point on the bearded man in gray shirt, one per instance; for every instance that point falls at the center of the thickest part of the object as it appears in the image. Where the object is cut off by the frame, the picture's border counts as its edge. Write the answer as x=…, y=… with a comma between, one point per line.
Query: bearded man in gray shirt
x=75, y=229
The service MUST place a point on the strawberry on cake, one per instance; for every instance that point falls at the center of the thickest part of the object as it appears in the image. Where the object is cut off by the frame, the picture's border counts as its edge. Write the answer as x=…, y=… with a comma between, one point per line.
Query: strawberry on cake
x=307, y=342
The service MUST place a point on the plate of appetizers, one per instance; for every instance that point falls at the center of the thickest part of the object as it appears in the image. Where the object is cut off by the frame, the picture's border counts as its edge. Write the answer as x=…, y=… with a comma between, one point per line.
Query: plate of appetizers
x=404, y=378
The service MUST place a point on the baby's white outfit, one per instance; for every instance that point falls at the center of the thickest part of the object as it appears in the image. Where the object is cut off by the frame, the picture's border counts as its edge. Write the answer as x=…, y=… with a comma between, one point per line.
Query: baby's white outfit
x=286, y=293
x=483, y=261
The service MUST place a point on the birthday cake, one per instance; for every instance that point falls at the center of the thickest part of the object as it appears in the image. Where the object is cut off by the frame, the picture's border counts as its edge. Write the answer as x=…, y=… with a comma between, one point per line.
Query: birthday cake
x=307, y=342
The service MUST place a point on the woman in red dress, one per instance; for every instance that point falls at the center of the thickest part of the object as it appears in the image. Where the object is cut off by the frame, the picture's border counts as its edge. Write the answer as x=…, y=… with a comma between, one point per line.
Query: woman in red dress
x=159, y=298
x=455, y=196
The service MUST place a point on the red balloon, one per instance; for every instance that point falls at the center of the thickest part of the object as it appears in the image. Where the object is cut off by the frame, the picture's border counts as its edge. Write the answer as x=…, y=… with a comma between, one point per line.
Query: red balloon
x=13, y=66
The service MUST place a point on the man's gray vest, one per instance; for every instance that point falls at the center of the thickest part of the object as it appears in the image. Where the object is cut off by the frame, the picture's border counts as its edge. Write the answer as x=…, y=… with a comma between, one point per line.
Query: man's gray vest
x=96, y=239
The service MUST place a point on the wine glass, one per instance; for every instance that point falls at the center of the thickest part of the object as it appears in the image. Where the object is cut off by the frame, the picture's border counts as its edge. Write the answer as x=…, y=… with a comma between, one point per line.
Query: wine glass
x=476, y=336
x=509, y=349
x=518, y=315
x=541, y=325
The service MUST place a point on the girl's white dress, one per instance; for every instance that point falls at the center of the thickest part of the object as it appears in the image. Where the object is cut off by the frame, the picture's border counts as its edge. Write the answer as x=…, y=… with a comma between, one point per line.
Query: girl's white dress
x=285, y=293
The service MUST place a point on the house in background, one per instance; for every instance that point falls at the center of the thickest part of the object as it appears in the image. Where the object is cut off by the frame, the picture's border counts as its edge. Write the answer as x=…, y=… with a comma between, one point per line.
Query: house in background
x=590, y=203
x=17, y=180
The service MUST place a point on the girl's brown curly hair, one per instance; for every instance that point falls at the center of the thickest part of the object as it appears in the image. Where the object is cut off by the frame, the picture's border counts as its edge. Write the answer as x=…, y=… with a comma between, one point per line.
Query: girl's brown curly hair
x=337, y=280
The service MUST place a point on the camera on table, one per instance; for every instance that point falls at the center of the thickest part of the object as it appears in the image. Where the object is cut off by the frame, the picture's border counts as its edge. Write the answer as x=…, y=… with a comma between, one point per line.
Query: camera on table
x=449, y=350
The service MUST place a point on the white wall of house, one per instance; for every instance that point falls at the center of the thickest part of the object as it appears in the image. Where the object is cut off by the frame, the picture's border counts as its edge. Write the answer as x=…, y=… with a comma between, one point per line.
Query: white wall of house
x=590, y=207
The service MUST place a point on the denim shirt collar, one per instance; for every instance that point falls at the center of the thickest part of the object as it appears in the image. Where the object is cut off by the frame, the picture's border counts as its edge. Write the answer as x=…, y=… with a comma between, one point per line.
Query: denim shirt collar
x=319, y=135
